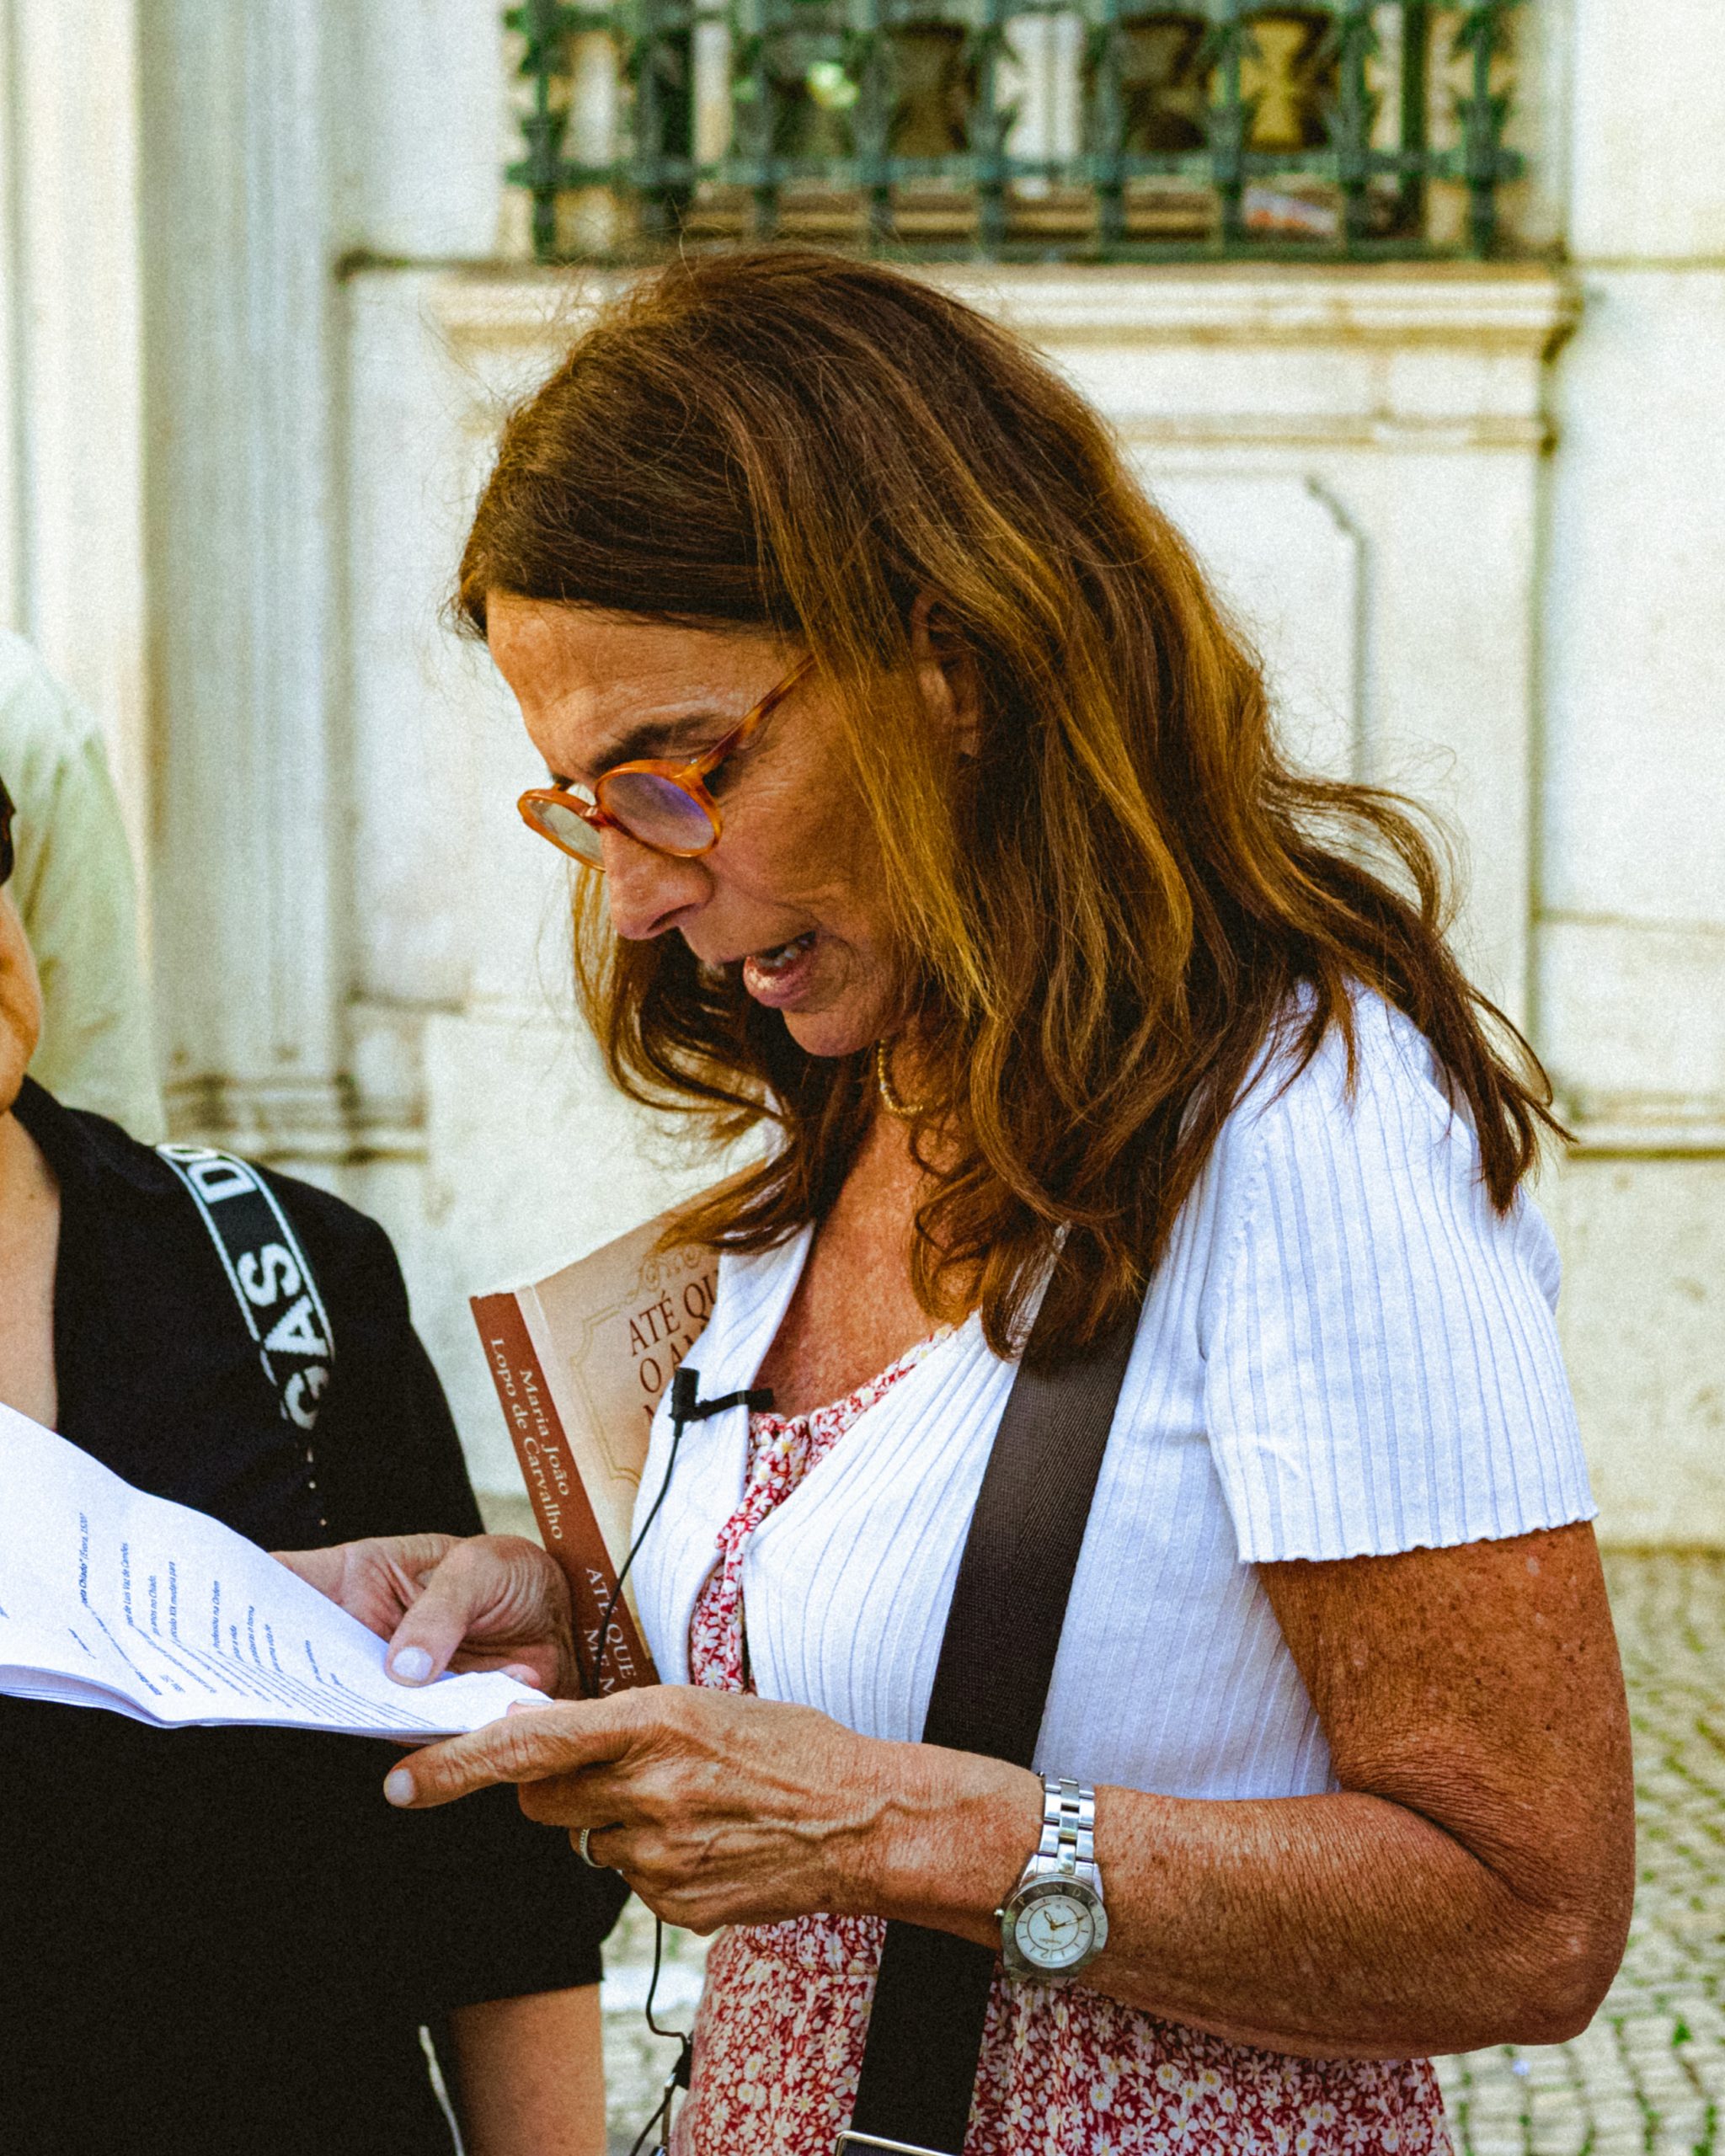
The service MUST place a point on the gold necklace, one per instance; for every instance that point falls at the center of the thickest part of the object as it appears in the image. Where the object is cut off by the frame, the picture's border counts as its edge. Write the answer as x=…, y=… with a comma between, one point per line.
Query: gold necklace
x=905, y=1110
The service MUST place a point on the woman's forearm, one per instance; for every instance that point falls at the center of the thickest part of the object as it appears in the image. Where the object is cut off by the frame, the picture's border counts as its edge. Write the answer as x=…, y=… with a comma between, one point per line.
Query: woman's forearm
x=1337, y=1926
x=1355, y=1924
x=1469, y=1884
x=530, y=2074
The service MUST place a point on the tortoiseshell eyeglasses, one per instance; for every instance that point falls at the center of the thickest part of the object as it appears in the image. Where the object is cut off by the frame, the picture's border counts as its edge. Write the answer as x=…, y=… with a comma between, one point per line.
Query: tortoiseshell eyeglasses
x=662, y=805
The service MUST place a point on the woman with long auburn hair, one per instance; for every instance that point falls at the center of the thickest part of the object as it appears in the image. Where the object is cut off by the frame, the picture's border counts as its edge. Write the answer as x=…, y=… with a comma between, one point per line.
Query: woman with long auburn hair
x=934, y=823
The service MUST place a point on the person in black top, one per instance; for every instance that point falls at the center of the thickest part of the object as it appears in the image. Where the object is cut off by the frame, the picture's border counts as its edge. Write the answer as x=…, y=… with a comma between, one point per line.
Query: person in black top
x=224, y=1939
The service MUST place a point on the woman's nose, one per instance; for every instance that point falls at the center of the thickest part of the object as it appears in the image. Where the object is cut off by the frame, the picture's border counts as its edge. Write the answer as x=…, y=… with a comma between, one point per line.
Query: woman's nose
x=649, y=892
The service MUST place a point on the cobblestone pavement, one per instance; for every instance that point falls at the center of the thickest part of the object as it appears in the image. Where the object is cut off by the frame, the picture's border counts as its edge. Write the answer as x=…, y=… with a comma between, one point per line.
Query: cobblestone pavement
x=1649, y=2074
x=1648, y=2078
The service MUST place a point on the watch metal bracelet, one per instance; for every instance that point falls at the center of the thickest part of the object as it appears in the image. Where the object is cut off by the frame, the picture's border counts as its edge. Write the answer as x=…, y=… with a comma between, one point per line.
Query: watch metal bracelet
x=1068, y=1844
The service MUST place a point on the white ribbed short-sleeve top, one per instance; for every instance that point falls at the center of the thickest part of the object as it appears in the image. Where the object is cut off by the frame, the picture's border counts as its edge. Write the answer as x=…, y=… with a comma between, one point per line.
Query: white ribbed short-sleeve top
x=1345, y=1350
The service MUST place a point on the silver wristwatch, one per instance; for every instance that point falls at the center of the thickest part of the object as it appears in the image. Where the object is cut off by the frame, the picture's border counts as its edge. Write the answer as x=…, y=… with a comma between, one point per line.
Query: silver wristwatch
x=1053, y=1923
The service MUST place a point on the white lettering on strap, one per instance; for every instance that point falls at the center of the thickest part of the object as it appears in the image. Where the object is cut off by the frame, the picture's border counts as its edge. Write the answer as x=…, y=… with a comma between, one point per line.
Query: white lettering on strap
x=258, y=1270
x=265, y=1268
x=295, y=1334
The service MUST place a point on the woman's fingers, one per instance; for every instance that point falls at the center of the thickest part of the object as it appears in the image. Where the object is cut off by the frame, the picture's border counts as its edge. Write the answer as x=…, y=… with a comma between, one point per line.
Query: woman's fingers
x=374, y=1581
x=717, y=1809
x=605, y=1846
x=526, y=1748
x=490, y=1602
x=501, y=1596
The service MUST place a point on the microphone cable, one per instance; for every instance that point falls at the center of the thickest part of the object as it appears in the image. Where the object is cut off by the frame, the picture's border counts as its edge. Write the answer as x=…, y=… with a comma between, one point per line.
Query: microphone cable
x=687, y=1407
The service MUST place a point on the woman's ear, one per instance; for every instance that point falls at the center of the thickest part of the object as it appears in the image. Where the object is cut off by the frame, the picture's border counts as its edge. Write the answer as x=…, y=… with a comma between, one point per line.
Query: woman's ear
x=946, y=672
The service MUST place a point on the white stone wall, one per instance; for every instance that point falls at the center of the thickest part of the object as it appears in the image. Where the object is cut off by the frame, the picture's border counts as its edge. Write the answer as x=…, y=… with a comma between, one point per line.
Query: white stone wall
x=1358, y=457
x=1481, y=549
x=1630, y=986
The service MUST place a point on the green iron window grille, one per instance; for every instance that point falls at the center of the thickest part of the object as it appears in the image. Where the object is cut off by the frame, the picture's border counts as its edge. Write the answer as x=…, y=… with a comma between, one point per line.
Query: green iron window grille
x=1017, y=130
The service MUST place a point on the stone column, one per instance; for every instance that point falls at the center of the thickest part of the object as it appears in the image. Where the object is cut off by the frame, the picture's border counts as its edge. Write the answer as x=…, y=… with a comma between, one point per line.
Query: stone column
x=245, y=550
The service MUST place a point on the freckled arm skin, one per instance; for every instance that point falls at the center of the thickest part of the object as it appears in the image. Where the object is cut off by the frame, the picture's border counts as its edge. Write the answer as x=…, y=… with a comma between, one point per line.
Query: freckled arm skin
x=1471, y=1881
x=1467, y=1884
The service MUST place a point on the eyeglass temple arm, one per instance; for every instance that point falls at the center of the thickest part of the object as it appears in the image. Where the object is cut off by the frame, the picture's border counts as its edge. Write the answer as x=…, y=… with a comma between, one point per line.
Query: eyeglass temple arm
x=748, y=723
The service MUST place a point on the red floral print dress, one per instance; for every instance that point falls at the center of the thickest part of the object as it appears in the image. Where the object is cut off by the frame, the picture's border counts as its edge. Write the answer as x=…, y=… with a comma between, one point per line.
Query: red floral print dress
x=779, y=2035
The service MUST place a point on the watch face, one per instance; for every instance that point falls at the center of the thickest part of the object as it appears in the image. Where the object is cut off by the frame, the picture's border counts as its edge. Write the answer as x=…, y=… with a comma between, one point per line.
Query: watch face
x=1056, y=1931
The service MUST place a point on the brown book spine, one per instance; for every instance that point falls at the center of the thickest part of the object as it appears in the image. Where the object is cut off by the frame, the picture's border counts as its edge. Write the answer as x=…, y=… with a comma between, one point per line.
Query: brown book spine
x=567, y=1526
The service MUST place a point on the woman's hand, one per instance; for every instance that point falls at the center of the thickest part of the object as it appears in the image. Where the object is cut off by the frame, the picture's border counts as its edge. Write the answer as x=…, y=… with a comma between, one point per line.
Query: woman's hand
x=720, y=1809
x=488, y=1602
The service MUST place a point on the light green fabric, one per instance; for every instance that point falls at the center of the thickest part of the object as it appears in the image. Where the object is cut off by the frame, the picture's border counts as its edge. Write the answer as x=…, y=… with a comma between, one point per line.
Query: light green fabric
x=73, y=887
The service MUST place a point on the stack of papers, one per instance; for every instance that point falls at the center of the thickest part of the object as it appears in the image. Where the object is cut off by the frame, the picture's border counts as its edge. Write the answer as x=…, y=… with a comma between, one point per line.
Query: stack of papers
x=112, y=1598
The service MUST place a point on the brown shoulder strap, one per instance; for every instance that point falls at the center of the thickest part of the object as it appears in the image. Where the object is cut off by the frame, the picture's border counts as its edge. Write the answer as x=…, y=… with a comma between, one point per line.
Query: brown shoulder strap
x=990, y=1687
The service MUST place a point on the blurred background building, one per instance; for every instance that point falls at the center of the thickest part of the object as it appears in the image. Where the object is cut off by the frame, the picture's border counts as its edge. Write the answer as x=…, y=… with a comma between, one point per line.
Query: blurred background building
x=1414, y=317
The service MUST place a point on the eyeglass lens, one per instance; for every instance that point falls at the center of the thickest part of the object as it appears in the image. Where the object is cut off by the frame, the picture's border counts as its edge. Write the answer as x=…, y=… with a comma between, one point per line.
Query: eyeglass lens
x=652, y=809
x=567, y=828
x=657, y=812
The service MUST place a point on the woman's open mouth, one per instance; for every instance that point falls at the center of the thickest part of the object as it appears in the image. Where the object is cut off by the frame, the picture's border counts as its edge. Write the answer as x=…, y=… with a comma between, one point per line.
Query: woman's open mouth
x=776, y=977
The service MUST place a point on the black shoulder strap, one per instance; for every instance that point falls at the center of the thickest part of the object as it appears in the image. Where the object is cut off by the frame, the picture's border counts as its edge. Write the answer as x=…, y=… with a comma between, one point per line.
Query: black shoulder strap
x=269, y=1274
x=991, y=1686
